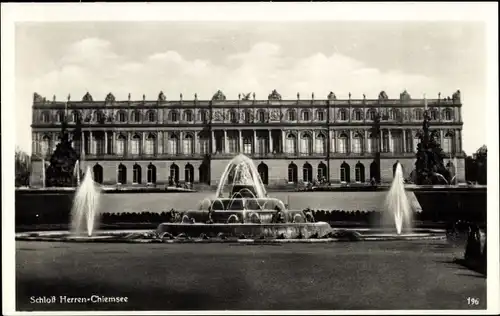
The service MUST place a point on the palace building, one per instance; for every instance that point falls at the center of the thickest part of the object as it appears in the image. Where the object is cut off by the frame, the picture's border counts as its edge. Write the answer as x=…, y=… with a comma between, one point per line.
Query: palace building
x=140, y=142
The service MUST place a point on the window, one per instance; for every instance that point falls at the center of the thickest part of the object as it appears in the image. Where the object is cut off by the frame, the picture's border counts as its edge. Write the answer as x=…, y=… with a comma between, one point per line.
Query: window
x=121, y=116
x=372, y=144
x=343, y=115
x=248, y=117
x=136, y=116
x=386, y=143
x=188, y=173
x=371, y=115
x=434, y=115
x=345, y=172
x=418, y=114
x=321, y=116
x=448, y=143
x=99, y=144
x=99, y=116
x=292, y=115
x=98, y=173
x=232, y=143
x=204, y=145
x=232, y=117
x=262, y=169
x=75, y=116
x=203, y=116
x=320, y=144
x=187, y=146
x=292, y=173
x=45, y=145
x=342, y=143
x=122, y=174
x=305, y=115
x=291, y=145
x=359, y=172
x=188, y=116
x=60, y=116
x=45, y=117
x=447, y=115
x=262, y=145
x=357, y=143
x=151, y=116
x=151, y=173
x=173, y=116
x=247, y=145
x=136, y=145
x=307, y=173
x=357, y=115
x=150, y=144
x=262, y=116
x=174, y=172
x=173, y=145
x=322, y=173
x=137, y=174
x=120, y=145
x=305, y=144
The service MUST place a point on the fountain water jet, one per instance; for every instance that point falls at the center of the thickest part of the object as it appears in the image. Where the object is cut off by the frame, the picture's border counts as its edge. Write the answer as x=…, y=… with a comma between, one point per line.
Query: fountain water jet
x=397, y=202
x=85, y=206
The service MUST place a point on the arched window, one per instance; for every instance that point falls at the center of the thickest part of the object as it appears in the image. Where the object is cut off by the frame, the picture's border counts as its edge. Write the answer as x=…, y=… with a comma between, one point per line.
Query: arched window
x=45, y=145
x=151, y=173
x=204, y=143
x=322, y=171
x=360, y=172
x=151, y=116
x=97, y=173
x=321, y=115
x=248, y=116
x=357, y=143
x=371, y=115
x=372, y=143
x=263, y=173
x=448, y=115
x=137, y=174
x=173, y=116
x=418, y=115
x=120, y=145
x=292, y=173
x=60, y=116
x=45, y=117
x=204, y=173
x=122, y=117
x=386, y=142
x=188, y=116
x=136, y=116
x=99, y=143
x=320, y=146
x=448, y=144
x=343, y=115
x=357, y=115
x=122, y=174
x=232, y=142
x=75, y=116
x=262, y=145
x=247, y=145
x=189, y=173
x=306, y=144
x=342, y=143
x=150, y=144
x=136, y=145
x=292, y=115
x=262, y=116
x=203, y=116
x=345, y=172
x=291, y=144
x=173, y=144
x=434, y=114
x=232, y=117
x=305, y=115
x=374, y=171
x=174, y=173
x=187, y=146
x=307, y=172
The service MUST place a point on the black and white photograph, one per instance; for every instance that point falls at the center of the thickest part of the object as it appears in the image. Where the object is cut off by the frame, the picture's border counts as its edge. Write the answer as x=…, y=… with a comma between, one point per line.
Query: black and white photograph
x=296, y=158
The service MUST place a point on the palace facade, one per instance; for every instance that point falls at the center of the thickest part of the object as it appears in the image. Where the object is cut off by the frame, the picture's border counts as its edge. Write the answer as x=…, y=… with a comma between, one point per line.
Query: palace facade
x=301, y=140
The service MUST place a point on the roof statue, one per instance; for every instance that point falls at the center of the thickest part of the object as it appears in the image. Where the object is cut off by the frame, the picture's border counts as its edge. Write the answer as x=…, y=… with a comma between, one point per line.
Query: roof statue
x=382, y=95
x=274, y=95
x=219, y=96
x=37, y=97
x=196, y=96
x=87, y=97
x=332, y=96
x=129, y=96
x=312, y=95
x=54, y=98
x=161, y=96
x=246, y=96
x=456, y=95
x=110, y=98
x=298, y=96
x=405, y=95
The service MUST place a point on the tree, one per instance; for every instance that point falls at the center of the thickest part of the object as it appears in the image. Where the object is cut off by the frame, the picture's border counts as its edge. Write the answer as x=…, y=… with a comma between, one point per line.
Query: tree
x=429, y=167
x=376, y=133
x=481, y=164
x=22, y=168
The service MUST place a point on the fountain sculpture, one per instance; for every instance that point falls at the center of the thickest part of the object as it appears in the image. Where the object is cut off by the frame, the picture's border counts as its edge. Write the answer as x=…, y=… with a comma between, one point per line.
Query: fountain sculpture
x=396, y=202
x=84, y=213
x=241, y=207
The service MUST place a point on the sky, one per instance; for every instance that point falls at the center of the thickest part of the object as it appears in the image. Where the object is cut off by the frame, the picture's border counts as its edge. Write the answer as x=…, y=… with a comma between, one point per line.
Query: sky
x=358, y=57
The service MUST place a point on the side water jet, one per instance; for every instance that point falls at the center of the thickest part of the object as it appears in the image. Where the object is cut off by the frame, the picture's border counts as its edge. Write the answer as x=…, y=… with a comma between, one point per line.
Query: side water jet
x=85, y=206
x=397, y=203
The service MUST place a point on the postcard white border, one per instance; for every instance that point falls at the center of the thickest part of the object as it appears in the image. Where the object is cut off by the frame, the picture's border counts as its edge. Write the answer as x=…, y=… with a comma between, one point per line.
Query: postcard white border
x=470, y=11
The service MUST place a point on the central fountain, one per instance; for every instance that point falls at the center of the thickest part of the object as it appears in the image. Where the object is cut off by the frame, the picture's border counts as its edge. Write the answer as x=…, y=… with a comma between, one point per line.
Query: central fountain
x=241, y=206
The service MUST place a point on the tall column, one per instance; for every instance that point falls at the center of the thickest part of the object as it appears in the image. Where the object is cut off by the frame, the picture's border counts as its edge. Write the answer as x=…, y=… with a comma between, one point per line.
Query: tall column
x=313, y=149
x=91, y=143
x=349, y=147
x=391, y=143
x=457, y=147
x=105, y=143
x=365, y=143
x=83, y=143
x=380, y=141
x=441, y=135
x=180, y=147
x=226, y=149
x=129, y=143
x=240, y=141
x=297, y=143
x=254, y=141
x=270, y=142
x=196, y=143
x=143, y=145
x=332, y=141
x=214, y=147
x=113, y=143
x=404, y=141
